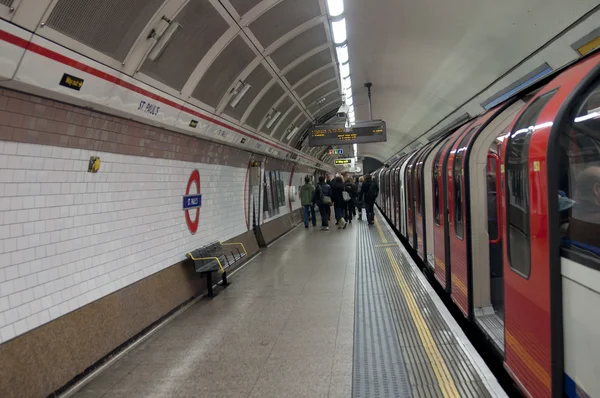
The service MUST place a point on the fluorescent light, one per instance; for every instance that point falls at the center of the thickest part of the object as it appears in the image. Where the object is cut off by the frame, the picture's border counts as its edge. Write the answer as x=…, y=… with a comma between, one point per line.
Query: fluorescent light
x=342, y=53
x=348, y=92
x=347, y=82
x=240, y=94
x=336, y=7
x=339, y=31
x=165, y=38
x=292, y=133
x=345, y=70
x=273, y=119
x=349, y=101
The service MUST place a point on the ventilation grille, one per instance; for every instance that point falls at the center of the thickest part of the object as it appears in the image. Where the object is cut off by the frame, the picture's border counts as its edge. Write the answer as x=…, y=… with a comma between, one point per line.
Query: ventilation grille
x=7, y=3
x=110, y=28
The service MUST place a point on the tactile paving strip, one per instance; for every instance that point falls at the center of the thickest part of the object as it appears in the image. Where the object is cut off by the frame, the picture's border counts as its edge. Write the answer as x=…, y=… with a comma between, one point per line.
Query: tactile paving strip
x=433, y=363
x=379, y=369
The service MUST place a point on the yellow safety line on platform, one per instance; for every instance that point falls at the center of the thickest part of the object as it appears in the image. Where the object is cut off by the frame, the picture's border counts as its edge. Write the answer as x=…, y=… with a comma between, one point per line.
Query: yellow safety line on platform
x=442, y=374
x=387, y=245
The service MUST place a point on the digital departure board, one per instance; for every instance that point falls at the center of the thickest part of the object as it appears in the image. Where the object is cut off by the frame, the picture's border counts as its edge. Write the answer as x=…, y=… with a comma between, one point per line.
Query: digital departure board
x=359, y=133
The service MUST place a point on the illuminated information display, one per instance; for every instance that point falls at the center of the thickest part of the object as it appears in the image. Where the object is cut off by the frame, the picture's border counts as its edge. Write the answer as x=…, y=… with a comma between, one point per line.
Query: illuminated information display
x=359, y=133
x=343, y=161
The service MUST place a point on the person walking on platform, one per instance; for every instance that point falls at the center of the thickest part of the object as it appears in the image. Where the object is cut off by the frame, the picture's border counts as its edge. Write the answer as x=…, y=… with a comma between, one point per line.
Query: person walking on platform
x=351, y=191
x=368, y=193
x=338, y=202
x=307, y=192
x=323, y=200
x=359, y=203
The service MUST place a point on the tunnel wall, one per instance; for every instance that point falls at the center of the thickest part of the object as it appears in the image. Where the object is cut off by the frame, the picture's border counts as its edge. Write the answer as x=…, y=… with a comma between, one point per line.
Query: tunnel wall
x=88, y=260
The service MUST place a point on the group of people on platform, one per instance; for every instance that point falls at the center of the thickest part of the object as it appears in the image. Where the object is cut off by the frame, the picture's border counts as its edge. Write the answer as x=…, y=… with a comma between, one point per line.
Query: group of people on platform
x=348, y=196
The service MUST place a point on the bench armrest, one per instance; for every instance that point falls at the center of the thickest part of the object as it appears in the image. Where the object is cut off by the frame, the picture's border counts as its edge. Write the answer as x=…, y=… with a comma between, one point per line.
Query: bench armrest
x=191, y=256
x=235, y=243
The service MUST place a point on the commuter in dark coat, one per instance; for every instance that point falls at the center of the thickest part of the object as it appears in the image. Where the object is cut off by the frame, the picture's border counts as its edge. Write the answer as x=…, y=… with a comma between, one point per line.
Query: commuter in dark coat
x=350, y=208
x=368, y=194
x=337, y=187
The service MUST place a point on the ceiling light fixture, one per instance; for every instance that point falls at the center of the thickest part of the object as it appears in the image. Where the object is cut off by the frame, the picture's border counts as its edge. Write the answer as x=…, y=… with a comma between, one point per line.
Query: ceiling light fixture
x=339, y=31
x=273, y=116
x=342, y=53
x=349, y=101
x=347, y=84
x=239, y=92
x=164, y=39
x=345, y=70
x=293, y=130
x=336, y=7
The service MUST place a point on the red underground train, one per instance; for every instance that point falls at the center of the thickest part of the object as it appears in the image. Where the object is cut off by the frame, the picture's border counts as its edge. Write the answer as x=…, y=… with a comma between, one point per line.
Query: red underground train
x=504, y=212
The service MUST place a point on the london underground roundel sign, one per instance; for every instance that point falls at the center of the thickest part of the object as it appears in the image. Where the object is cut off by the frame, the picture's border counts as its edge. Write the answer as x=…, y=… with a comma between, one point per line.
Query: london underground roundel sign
x=192, y=200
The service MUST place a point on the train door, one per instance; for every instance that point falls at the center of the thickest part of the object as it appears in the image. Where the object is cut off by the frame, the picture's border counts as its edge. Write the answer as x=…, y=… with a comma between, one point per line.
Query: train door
x=420, y=203
x=409, y=184
x=429, y=183
x=441, y=212
x=411, y=194
x=391, y=195
x=457, y=233
x=486, y=228
x=403, y=197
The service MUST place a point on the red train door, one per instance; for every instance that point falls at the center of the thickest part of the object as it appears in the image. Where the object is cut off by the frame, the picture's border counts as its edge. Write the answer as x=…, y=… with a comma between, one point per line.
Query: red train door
x=531, y=244
x=410, y=201
x=441, y=249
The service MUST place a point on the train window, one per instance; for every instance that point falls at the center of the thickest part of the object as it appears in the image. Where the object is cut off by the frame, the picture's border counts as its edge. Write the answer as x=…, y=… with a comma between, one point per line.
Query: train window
x=517, y=186
x=579, y=183
x=457, y=172
x=436, y=185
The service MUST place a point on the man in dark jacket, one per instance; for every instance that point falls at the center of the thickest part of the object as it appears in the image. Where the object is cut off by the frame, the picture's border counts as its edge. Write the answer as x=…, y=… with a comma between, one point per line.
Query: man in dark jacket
x=323, y=200
x=368, y=194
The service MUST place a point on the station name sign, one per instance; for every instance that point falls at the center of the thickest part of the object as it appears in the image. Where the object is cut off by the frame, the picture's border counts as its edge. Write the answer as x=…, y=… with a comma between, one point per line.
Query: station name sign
x=359, y=133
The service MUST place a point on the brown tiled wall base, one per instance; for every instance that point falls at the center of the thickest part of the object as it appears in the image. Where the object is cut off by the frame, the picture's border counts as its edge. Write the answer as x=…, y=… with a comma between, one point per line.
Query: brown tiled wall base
x=274, y=229
x=35, y=120
x=43, y=360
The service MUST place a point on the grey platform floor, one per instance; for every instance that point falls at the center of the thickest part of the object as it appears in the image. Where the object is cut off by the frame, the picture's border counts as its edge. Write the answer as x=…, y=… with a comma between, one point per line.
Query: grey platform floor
x=318, y=314
x=283, y=328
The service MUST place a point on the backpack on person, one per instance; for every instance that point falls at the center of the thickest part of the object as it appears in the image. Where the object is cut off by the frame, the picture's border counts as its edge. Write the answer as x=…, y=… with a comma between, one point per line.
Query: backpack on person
x=373, y=192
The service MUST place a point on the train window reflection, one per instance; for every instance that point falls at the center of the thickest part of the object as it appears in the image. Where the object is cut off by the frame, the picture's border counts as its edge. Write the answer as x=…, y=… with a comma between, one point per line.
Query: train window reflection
x=517, y=186
x=579, y=182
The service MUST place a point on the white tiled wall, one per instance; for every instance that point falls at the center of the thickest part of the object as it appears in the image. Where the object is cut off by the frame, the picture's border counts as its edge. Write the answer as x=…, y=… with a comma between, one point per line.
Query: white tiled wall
x=69, y=237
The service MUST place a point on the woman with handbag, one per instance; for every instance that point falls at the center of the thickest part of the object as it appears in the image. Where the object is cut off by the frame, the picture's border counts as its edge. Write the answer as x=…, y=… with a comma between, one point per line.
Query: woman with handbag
x=323, y=200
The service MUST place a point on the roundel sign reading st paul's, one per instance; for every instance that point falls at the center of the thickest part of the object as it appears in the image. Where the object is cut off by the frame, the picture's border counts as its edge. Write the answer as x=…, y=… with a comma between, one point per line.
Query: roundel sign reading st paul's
x=192, y=200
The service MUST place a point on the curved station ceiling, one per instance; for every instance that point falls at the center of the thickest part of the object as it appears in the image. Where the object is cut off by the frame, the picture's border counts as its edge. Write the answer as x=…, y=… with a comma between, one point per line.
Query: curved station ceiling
x=273, y=67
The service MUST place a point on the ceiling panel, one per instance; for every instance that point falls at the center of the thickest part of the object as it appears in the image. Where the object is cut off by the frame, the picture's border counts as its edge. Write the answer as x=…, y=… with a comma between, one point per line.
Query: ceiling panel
x=283, y=17
x=258, y=78
x=309, y=65
x=243, y=6
x=315, y=80
x=314, y=107
x=224, y=70
x=301, y=44
x=286, y=122
x=111, y=28
x=264, y=105
x=320, y=92
x=201, y=27
x=283, y=106
x=303, y=125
